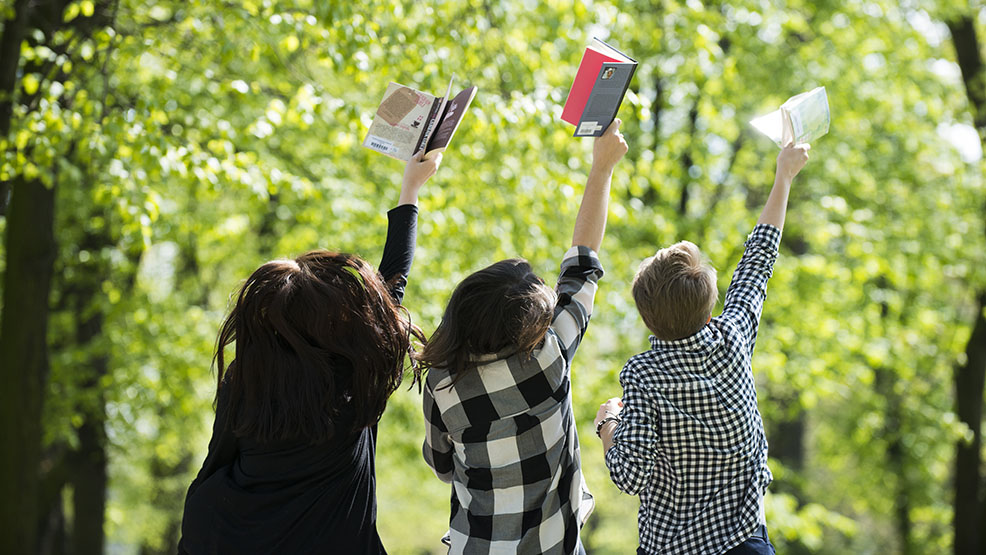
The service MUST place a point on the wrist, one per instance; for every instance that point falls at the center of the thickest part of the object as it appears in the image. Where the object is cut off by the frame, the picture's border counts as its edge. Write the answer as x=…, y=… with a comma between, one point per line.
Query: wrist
x=783, y=180
x=607, y=424
x=601, y=170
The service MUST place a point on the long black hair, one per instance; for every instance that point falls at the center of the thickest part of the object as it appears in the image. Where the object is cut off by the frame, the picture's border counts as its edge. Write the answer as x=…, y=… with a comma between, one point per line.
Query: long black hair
x=312, y=334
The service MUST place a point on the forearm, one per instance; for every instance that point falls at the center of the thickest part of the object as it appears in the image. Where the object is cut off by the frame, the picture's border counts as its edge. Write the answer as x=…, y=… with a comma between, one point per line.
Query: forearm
x=398, y=250
x=590, y=224
x=408, y=196
x=776, y=207
x=606, y=435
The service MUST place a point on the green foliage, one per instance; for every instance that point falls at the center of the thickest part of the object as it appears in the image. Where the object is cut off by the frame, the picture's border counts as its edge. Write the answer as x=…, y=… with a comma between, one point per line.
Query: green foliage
x=197, y=139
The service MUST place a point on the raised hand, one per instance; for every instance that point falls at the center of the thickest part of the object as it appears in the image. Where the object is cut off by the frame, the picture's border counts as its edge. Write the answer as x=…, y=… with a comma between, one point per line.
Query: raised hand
x=609, y=148
x=791, y=159
x=416, y=173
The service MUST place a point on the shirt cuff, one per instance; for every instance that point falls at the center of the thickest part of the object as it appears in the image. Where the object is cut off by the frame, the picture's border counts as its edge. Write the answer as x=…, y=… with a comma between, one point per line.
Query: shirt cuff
x=765, y=235
x=403, y=211
x=582, y=257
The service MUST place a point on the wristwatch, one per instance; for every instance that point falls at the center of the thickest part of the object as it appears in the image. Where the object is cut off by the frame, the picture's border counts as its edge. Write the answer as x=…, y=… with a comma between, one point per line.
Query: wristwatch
x=611, y=418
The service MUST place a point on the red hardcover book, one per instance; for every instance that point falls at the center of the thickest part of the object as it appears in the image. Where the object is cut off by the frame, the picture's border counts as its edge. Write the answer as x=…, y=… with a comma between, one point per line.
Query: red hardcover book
x=600, y=84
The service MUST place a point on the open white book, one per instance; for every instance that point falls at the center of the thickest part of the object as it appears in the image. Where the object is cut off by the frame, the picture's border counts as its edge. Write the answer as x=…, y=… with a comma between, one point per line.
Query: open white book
x=802, y=119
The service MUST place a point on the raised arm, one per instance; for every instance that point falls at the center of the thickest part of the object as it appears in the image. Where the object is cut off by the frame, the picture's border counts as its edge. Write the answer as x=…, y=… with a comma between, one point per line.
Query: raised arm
x=789, y=163
x=748, y=288
x=580, y=268
x=590, y=224
x=402, y=228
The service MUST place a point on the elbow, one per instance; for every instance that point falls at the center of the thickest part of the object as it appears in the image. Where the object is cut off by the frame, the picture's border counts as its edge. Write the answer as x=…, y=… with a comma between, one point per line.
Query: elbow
x=626, y=484
x=629, y=477
x=440, y=463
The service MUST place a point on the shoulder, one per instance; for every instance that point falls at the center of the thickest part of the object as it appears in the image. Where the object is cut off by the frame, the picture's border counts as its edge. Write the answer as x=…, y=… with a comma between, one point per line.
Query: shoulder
x=640, y=369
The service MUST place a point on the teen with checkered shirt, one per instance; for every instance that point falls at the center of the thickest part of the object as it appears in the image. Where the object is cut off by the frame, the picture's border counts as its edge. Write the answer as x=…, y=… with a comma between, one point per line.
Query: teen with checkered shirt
x=687, y=436
x=497, y=398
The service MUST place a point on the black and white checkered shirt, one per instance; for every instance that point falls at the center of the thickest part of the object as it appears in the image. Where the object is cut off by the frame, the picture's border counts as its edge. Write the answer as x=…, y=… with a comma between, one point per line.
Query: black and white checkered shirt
x=504, y=435
x=692, y=442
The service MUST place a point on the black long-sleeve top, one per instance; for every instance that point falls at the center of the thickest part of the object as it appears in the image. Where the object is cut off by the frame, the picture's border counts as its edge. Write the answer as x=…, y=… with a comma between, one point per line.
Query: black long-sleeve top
x=295, y=496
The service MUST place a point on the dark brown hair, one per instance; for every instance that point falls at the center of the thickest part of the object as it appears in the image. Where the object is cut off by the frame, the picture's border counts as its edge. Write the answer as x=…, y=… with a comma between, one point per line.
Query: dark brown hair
x=675, y=291
x=505, y=305
x=312, y=334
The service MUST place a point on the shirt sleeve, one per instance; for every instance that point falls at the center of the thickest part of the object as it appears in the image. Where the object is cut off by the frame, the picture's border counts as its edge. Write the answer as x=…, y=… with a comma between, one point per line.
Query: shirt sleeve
x=437, y=448
x=398, y=251
x=632, y=458
x=748, y=288
x=576, y=289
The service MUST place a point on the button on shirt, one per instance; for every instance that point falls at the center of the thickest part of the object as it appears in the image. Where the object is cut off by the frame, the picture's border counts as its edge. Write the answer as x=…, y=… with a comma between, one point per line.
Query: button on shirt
x=691, y=442
x=504, y=435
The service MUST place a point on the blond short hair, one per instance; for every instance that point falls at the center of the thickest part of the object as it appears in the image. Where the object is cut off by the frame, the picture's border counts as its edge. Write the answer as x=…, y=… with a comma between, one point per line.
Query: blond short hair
x=675, y=291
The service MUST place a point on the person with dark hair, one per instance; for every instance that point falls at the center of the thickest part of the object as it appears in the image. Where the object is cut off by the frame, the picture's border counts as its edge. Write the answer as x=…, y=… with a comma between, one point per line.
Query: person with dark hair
x=497, y=398
x=321, y=342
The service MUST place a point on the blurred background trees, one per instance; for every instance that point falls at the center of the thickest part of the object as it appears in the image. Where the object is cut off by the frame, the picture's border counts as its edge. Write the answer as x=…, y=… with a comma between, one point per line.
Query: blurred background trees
x=153, y=153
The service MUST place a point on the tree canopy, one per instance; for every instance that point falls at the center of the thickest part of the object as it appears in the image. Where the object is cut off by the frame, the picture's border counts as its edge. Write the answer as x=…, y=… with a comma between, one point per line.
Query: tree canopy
x=154, y=153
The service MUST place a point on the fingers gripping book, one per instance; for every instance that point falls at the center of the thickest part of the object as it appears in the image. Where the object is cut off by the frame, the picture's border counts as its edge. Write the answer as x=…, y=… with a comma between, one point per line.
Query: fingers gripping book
x=408, y=120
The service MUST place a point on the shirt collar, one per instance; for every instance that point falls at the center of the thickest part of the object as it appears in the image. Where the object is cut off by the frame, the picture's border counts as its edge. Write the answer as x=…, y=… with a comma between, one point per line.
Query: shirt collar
x=699, y=340
x=490, y=357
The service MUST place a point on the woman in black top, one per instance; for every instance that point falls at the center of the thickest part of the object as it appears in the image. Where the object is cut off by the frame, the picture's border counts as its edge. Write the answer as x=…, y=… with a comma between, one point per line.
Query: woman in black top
x=320, y=346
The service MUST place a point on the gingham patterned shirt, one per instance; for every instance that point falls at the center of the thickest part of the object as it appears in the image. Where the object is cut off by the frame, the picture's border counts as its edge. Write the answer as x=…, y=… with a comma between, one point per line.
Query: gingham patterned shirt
x=691, y=442
x=504, y=435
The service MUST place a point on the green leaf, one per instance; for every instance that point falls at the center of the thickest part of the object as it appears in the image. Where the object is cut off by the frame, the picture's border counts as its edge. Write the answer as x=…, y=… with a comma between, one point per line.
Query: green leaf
x=30, y=83
x=71, y=12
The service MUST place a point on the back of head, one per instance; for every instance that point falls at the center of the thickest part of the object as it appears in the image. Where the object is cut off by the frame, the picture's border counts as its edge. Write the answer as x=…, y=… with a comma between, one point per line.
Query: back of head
x=675, y=291
x=312, y=335
x=503, y=306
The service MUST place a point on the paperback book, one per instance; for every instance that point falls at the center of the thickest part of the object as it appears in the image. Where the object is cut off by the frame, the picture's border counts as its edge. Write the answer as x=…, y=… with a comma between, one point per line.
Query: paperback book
x=802, y=119
x=408, y=120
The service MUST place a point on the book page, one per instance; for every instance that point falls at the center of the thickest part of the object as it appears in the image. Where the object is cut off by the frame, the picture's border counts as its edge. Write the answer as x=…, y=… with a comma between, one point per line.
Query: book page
x=801, y=119
x=399, y=122
x=771, y=125
x=607, y=50
x=450, y=120
x=436, y=116
x=809, y=115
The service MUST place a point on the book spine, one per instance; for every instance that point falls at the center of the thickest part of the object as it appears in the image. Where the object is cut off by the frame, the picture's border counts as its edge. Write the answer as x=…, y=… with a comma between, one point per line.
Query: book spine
x=432, y=124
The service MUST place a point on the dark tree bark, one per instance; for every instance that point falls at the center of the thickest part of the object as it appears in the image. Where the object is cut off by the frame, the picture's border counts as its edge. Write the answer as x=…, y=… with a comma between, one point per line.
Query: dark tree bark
x=30, y=250
x=970, y=378
x=23, y=357
x=686, y=160
x=89, y=474
x=10, y=58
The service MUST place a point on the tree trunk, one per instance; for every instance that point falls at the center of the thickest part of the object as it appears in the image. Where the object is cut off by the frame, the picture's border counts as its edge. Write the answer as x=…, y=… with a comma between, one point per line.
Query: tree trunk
x=970, y=378
x=89, y=475
x=30, y=251
x=10, y=59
